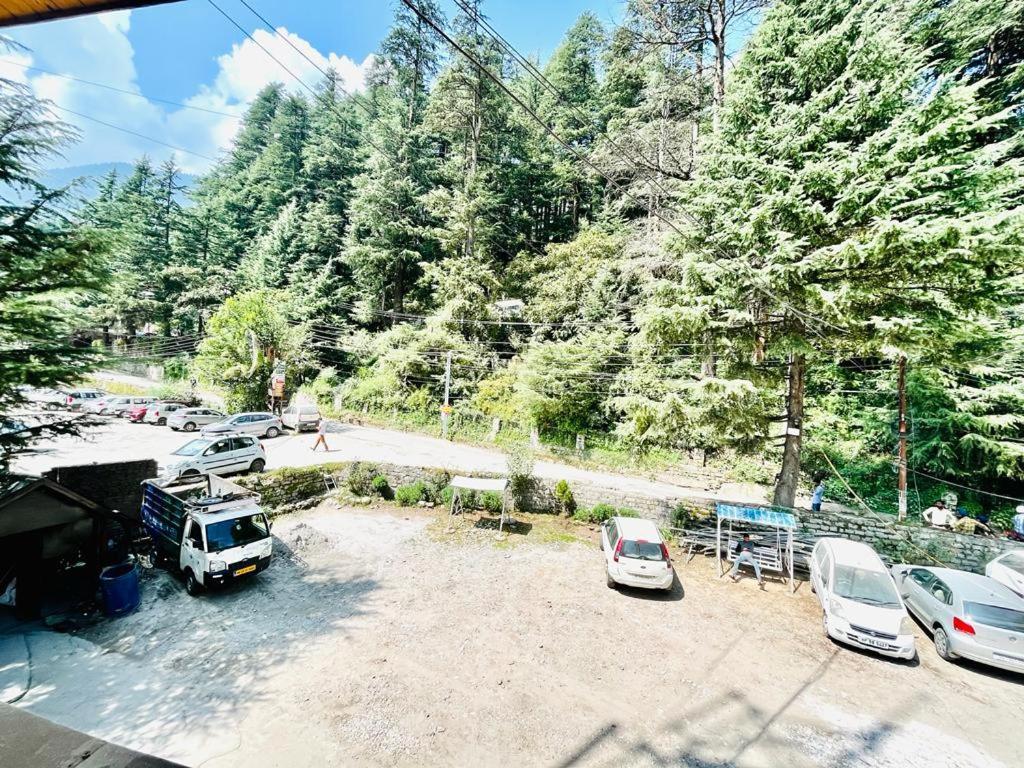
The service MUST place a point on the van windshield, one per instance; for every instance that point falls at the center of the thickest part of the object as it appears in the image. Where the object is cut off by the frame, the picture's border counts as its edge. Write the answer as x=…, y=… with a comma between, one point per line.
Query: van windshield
x=864, y=586
x=237, y=532
x=641, y=550
x=192, y=448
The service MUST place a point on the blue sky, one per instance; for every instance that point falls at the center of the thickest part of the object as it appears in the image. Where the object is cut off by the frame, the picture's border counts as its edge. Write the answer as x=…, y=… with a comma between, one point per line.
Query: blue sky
x=188, y=52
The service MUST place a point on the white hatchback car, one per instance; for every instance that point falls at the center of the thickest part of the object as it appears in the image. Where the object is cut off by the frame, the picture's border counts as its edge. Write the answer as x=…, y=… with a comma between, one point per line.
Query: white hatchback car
x=861, y=604
x=219, y=455
x=635, y=554
x=1008, y=570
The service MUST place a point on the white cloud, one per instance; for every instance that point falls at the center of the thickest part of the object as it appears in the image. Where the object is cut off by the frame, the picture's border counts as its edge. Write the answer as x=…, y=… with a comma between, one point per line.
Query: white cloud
x=98, y=48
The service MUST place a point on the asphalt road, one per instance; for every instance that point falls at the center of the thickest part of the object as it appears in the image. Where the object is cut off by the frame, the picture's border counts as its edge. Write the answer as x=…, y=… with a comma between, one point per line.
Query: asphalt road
x=119, y=440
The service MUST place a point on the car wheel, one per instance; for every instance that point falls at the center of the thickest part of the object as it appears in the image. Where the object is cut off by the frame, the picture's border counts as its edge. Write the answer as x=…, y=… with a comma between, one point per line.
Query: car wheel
x=610, y=581
x=942, y=648
x=192, y=585
x=257, y=465
x=273, y=432
x=161, y=422
x=190, y=427
x=189, y=474
x=51, y=406
x=824, y=623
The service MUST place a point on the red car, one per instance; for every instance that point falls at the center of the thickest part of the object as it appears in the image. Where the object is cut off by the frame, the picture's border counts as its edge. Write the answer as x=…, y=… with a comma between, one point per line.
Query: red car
x=137, y=413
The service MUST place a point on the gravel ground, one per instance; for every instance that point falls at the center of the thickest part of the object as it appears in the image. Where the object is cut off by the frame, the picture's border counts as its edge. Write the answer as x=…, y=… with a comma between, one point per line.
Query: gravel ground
x=382, y=638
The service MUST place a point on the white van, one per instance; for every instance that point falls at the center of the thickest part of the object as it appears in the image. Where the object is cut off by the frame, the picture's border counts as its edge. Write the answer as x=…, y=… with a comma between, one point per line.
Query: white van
x=215, y=456
x=861, y=604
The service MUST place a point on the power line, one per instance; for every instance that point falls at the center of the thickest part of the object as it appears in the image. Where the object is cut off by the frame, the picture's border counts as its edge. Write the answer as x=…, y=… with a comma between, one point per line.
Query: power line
x=132, y=133
x=121, y=90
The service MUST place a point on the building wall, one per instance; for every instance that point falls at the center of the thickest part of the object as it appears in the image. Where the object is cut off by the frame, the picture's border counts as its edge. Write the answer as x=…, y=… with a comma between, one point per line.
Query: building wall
x=117, y=485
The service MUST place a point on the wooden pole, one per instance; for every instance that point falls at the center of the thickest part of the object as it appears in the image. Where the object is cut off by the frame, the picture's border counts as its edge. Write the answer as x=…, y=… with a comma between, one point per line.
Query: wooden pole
x=902, y=482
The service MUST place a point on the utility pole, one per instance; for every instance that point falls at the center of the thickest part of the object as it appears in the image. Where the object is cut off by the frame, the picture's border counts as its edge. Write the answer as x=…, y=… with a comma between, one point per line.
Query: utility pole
x=902, y=483
x=446, y=409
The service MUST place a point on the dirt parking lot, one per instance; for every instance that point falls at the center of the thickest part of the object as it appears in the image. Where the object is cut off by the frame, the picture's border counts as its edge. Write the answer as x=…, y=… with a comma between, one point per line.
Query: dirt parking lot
x=378, y=638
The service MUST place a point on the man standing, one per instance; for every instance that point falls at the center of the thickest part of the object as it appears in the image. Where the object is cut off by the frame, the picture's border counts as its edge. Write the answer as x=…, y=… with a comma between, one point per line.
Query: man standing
x=937, y=516
x=745, y=554
x=321, y=435
x=818, y=496
x=1018, y=525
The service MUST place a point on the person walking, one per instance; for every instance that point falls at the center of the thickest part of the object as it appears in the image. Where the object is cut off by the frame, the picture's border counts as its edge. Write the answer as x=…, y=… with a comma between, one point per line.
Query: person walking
x=745, y=554
x=321, y=435
x=818, y=496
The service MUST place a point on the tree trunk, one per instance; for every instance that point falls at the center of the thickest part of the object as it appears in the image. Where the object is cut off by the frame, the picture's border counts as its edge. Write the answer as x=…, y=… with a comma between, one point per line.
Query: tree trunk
x=789, y=475
x=718, y=39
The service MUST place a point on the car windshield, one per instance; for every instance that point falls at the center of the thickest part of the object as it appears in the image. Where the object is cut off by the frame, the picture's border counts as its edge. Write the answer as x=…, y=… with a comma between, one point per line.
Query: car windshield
x=864, y=586
x=995, y=616
x=308, y=410
x=192, y=448
x=1015, y=562
x=641, y=550
x=237, y=532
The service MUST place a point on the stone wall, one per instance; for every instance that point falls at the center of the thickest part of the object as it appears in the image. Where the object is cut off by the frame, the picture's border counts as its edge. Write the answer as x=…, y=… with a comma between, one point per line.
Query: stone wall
x=902, y=543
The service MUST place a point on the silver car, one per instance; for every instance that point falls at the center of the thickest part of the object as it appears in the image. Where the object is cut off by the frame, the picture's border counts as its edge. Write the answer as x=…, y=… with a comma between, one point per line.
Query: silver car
x=190, y=419
x=157, y=413
x=300, y=416
x=77, y=399
x=120, y=406
x=260, y=424
x=969, y=615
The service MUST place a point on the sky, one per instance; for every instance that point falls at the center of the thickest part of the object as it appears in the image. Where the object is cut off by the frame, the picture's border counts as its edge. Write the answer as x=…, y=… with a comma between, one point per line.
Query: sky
x=189, y=53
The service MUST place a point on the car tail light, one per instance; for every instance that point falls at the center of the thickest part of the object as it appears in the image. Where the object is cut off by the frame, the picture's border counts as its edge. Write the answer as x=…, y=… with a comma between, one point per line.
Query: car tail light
x=962, y=626
x=618, y=548
x=665, y=554
x=70, y=400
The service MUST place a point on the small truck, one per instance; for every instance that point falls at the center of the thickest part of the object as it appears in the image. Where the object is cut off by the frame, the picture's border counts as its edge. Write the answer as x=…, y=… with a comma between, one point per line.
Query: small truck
x=213, y=530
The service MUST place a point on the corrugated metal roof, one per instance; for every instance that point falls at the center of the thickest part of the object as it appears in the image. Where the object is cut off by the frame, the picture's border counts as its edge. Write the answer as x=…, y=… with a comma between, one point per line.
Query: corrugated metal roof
x=756, y=515
x=27, y=11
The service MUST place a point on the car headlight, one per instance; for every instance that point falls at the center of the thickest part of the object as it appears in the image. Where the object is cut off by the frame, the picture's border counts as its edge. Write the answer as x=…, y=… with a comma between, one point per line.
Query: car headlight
x=218, y=565
x=906, y=626
x=266, y=549
x=837, y=609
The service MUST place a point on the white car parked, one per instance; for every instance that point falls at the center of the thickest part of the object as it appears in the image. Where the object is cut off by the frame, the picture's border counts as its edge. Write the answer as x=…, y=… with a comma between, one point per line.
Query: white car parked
x=635, y=554
x=215, y=456
x=119, y=406
x=157, y=413
x=1008, y=570
x=860, y=603
x=300, y=416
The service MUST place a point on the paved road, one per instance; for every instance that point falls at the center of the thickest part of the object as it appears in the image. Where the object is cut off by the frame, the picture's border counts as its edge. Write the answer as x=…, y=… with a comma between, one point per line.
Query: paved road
x=120, y=440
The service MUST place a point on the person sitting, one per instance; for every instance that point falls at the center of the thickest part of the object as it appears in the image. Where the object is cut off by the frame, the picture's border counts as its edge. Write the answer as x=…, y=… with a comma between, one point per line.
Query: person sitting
x=969, y=525
x=745, y=554
x=937, y=516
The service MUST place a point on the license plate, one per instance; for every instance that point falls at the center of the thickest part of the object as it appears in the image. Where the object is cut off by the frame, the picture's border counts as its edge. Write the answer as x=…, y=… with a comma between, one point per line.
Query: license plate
x=874, y=643
x=243, y=571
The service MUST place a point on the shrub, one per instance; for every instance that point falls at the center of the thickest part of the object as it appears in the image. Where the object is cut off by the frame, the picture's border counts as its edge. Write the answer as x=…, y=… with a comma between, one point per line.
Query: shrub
x=445, y=496
x=436, y=482
x=596, y=514
x=519, y=460
x=322, y=388
x=626, y=512
x=360, y=479
x=564, y=498
x=381, y=486
x=176, y=368
x=409, y=495
x=491, y=501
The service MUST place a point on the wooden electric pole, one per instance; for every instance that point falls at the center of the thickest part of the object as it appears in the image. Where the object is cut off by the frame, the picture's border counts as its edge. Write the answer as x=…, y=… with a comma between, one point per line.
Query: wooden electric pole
x=902, y=483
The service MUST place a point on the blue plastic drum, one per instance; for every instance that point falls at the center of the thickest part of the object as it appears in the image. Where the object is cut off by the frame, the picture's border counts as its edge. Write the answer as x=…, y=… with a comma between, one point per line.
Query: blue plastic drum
x=120, y=587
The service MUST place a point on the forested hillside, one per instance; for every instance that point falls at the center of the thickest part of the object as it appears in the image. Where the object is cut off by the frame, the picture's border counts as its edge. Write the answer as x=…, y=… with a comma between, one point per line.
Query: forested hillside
x=649, y=236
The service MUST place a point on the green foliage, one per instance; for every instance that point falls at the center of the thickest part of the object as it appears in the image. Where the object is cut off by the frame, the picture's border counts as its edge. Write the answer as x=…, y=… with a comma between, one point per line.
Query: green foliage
x=626, y=512
x=436, y=483
x=520, y=462
x=360, y=479
x=564, y=499
x=176, y=368
x=411, y=494
x=381, y=486
x=491, y=501
x=323, y=387
x=596, y=514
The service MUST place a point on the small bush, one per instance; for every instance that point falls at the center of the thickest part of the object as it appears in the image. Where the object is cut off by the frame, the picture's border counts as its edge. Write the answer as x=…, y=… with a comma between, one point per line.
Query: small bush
x=446, y=496
x=564, y=498
x=491, y=501
x=381, y=486
x=519, y=459
x=626, y=512
x=436, y=482
x=176, y=369
x=409, y=495
x=596, y=514
x=360, y=479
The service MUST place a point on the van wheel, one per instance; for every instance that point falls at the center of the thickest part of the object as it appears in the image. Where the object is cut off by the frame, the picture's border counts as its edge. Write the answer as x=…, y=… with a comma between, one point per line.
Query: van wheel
x=257, y=465
x=273, y=432
x=192, y=585
x=942, y=644
x=189, y=427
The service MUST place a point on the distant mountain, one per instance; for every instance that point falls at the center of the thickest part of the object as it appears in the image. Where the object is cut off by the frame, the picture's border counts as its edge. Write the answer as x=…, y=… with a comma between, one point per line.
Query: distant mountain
x=91, y=175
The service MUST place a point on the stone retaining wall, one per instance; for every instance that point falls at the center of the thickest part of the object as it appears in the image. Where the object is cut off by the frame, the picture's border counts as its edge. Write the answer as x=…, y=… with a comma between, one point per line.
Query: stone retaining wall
x=903, y=543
